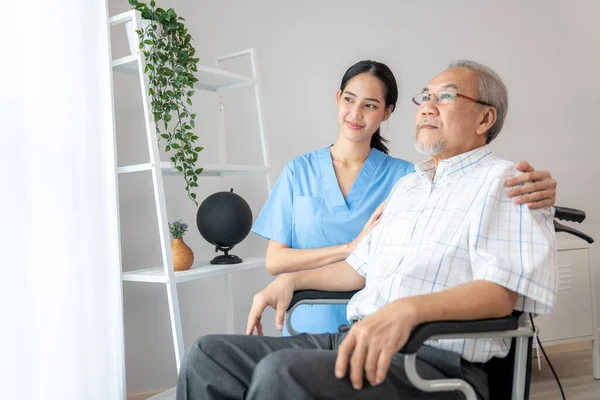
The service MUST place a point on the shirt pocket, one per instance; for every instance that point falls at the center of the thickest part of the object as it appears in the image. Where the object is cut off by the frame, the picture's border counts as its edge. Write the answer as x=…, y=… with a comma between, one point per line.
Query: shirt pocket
x=308, y=215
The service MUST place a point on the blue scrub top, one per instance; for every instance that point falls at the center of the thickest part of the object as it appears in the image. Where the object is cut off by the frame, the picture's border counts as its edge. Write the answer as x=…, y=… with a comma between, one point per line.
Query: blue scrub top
x=306, y=210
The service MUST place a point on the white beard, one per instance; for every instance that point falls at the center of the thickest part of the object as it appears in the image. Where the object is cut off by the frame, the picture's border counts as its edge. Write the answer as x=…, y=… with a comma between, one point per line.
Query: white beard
x=431, y=149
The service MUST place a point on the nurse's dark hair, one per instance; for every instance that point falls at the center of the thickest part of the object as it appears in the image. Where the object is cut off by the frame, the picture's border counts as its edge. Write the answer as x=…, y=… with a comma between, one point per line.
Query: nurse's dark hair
x=388, y=79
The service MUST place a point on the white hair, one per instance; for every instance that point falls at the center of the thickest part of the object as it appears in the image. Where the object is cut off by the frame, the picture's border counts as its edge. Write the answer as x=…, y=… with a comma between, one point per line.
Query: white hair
x=491, y=90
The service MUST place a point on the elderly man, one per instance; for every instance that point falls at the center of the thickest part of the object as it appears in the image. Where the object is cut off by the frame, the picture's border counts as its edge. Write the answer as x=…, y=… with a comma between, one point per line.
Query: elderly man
x=450, y=246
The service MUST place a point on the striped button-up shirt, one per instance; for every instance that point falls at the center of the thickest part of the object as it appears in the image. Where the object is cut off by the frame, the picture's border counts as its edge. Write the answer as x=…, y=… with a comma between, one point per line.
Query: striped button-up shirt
x=446, y=227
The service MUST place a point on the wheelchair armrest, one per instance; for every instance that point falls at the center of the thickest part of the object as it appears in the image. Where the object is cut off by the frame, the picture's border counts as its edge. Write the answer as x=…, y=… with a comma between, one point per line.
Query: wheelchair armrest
x=424, y=331
x=319, y=295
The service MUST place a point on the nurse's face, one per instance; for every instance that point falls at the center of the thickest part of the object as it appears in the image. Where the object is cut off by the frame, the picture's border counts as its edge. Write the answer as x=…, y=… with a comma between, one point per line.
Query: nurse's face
x=361, y=107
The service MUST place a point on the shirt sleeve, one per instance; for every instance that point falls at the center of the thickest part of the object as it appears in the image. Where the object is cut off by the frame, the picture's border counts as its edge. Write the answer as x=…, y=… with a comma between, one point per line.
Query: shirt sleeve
x=359, y=258
x=275, y=221
x=515, y=247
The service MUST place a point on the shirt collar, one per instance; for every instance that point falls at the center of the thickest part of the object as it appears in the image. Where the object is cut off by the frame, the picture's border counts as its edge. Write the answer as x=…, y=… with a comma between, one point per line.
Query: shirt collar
x=455, y=167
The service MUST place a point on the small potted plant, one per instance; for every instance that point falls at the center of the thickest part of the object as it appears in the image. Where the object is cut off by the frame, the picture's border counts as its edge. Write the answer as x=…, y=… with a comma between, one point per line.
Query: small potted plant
x=183, y=257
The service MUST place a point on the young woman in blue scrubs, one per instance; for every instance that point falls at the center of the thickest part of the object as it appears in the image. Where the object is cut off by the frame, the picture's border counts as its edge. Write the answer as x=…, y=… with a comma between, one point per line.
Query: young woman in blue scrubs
x=326, y=201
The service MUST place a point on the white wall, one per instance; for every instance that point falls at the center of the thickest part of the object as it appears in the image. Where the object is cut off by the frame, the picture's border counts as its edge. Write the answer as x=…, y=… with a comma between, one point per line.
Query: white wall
x=547, y=52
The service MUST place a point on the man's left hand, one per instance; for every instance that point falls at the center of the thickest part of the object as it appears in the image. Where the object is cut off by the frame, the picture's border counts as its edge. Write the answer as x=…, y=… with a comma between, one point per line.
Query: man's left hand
x=372, y=342
x=538, y=190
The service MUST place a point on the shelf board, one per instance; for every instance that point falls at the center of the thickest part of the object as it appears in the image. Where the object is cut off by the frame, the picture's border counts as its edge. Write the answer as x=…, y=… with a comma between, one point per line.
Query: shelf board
x=121, y=18
x=200, y=270
x=208, y=169
x=217, y=169
x=211, y=79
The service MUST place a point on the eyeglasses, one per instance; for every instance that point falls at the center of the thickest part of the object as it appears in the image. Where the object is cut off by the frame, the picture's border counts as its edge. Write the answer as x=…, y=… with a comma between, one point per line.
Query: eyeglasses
x=444, y=97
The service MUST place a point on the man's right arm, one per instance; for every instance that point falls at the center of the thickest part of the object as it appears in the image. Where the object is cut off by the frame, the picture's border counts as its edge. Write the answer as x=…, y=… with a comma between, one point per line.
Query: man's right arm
x=339, y=276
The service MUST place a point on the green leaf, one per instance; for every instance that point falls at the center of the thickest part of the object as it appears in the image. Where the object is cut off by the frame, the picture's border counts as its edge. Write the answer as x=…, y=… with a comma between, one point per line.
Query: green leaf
x=191, y=93
x=164, y=136
x=175, y=146
x=148, y=41
x=193, y=195
x=167, y=148
x=198, y=171
x=198, y=149
x=152, y=3
x=194, y=137
x=193, y=123
x=193, y=184
x=189, y=101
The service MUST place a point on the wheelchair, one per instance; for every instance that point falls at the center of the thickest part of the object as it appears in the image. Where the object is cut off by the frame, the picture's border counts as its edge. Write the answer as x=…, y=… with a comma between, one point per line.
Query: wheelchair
x=508, y=377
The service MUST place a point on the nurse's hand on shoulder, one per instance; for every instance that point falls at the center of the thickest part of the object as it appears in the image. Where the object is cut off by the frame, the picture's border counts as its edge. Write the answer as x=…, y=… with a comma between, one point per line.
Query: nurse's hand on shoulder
x=277, y=295
x=538, y=190
x=371, y=223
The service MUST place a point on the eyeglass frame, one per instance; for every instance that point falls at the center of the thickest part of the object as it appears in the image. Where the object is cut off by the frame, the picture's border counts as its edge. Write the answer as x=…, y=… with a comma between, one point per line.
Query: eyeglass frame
x=457, y=95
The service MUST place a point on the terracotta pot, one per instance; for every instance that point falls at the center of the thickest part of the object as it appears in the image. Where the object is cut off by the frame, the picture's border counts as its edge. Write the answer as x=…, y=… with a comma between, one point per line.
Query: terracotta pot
x=183, y=257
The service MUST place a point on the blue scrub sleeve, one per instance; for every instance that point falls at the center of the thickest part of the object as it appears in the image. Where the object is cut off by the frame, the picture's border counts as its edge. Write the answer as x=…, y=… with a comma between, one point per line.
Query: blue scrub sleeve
x=275, y=221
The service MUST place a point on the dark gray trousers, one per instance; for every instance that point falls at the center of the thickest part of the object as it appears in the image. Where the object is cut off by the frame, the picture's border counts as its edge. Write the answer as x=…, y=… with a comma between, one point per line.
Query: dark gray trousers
x=299, y=367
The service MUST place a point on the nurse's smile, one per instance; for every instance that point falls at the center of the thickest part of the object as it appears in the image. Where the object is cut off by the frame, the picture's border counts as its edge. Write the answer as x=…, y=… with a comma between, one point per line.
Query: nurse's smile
x=354, y=126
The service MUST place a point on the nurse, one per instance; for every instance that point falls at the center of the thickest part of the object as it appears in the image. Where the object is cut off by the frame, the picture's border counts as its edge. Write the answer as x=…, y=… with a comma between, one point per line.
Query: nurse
x=326, y=201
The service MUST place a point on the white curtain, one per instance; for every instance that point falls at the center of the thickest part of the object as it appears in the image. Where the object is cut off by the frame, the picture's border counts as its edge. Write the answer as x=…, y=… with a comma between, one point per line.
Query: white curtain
x=61, y=334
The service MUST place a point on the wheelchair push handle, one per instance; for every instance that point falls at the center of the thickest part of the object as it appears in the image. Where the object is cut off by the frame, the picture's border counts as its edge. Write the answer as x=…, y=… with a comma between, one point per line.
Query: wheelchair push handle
x=572, y=215
x=569, y=214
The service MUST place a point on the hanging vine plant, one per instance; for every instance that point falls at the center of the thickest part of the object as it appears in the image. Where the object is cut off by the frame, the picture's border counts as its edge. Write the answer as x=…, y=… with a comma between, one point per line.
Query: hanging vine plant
x=170, y=67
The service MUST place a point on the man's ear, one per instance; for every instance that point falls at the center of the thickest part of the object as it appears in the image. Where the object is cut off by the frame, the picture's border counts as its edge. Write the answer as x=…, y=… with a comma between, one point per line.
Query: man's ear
x=388, y=112
x=487, y=121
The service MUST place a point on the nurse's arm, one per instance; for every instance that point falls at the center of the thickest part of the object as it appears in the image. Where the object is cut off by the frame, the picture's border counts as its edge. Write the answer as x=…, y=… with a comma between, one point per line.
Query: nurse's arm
x=336, y=277
x=282, y=258
x=339, y=276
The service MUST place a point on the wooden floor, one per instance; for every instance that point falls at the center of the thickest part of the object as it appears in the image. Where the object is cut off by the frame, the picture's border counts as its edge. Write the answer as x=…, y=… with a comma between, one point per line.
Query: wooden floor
x=575, y=373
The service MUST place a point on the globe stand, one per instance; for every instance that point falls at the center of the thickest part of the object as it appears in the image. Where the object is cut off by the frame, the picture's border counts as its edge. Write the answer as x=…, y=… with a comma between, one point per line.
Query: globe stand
x=225, y=258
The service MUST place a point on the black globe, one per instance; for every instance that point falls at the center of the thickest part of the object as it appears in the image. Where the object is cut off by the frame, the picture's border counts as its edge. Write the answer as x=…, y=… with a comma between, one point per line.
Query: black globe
x=224, y=219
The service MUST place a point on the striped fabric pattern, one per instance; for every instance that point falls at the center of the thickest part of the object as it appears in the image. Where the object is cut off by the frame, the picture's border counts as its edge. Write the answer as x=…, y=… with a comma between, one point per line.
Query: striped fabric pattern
x=455, y=225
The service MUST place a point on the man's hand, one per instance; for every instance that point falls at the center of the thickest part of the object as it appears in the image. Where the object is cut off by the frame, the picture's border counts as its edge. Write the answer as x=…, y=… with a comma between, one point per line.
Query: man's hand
x=539, y=189
x=278, y=295
x=373, y=341
x=373, y=221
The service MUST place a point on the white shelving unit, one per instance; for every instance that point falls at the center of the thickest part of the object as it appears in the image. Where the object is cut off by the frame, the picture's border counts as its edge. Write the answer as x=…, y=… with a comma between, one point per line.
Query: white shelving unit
x=210, y=79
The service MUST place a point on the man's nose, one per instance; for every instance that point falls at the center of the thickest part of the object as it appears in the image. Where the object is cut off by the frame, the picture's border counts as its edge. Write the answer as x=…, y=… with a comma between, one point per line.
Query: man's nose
x=429, y=107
